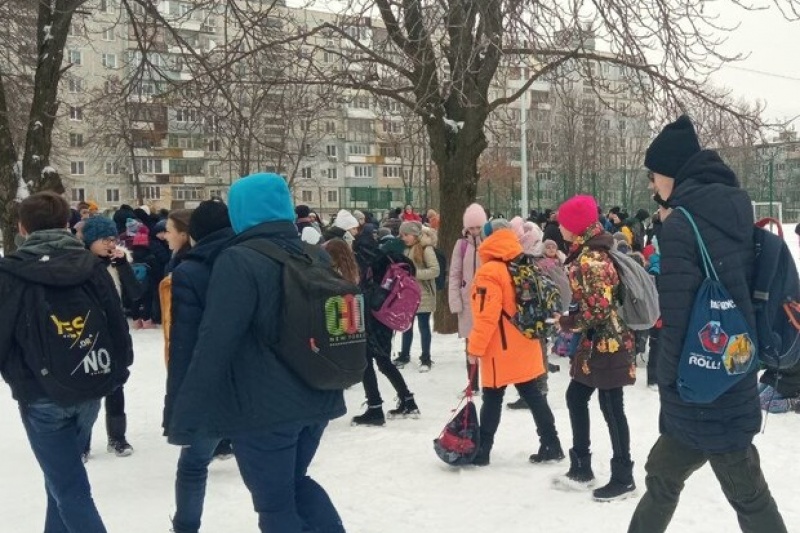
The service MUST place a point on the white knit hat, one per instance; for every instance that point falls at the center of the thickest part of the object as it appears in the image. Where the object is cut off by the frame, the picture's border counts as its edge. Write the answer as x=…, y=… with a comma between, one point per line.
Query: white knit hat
x=345, y=220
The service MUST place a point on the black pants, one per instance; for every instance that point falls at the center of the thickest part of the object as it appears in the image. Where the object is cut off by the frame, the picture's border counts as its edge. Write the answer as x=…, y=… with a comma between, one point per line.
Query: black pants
x=739, y=474
x=612, y=406
x=116, y=421
x=142, y=309
x=652, y=358
x=379, y=349
x=492, y=408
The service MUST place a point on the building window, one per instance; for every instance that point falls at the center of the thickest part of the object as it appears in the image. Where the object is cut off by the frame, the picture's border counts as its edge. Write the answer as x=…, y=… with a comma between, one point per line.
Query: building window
x=151, y=192
x=186, y=166
x=76, y=29
x=78, y=195
x=148, y=166
x=109, y=60
x=112, y=168
x=112, y=195
x=305, y=173
x=331, y=150
x=76, y=113
x=358, y=149
x=186, y=115
x=330, y=126
x=333, y=196
x=75, y=140
x=362, y=171
x=75, y=85
x=77, y=168
x=75, y=57
x=108, y=35
x=188, y=193
x=333, y=174
x=107, y=6
x=214, y=145
x=307, y=196
x=391, y=172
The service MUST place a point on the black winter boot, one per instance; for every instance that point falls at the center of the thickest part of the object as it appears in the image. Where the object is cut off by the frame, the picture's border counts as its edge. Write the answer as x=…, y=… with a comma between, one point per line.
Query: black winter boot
x=482, y=459
x=425, y=363
x=373, y=416
x=401, y=360
x=116, y=427
x=621, y=485
x=406, y=408
x=579, y=477
x=548, y=453
x=519, y=404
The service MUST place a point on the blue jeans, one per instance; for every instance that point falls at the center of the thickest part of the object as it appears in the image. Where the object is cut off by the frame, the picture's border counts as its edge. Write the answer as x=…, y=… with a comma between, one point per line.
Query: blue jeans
x=273, y=464
x=190, y=484
x=57, y=436
x=424, y=323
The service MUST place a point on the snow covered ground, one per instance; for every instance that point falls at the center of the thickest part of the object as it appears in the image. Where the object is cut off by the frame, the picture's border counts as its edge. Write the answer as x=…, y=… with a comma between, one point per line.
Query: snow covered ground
x=388, y=480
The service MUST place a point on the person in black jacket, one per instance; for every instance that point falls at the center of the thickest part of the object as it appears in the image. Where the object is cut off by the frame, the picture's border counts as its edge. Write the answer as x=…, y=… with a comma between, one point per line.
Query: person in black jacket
x=210, y=229
x=51, y=255
x=379, y=337
x=720, y=432
x=237, y=387
x=552, y=232
x=100, y=237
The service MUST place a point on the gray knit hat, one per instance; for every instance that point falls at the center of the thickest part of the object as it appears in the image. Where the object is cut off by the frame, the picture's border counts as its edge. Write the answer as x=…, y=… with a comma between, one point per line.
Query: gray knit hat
x=494, y=225
x=411, y=227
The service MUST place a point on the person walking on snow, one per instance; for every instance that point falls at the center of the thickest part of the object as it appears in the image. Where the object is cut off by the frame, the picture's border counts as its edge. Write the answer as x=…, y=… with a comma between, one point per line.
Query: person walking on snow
x=507, y=356
x=419, y=243
x=720, y=433
x=604, y=360
x=464, y=263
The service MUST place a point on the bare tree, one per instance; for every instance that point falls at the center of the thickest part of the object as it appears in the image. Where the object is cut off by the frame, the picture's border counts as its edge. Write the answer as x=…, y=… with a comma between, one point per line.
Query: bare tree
x=441, y=59
x=52, y=24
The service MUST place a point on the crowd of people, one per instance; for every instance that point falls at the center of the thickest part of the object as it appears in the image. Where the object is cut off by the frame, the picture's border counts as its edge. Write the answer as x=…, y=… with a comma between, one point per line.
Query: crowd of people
x=228, y=393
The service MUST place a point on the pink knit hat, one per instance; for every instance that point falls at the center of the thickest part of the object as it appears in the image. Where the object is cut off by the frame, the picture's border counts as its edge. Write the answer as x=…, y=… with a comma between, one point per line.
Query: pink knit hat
x=474, y=216
x=516, y=225
x=578, y=213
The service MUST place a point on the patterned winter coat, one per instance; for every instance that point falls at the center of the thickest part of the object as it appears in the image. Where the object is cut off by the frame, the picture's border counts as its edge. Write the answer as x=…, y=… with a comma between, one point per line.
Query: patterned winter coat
x=427, y=271
x=605, y=357
x=464, y=263
x=507, y=356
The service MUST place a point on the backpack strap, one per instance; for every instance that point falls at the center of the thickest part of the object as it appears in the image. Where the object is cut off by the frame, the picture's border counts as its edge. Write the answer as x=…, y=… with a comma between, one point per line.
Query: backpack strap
x=277, y=252
x=464, y=246
x=708, y=265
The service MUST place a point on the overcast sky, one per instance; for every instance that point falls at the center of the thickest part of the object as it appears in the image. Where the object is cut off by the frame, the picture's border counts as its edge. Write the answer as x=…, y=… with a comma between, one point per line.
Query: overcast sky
x=774, y=47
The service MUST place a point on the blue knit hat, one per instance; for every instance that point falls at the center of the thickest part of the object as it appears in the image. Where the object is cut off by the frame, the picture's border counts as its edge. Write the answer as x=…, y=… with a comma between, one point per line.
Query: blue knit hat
x=494, y=225
x=259, y=198
x=96, y=228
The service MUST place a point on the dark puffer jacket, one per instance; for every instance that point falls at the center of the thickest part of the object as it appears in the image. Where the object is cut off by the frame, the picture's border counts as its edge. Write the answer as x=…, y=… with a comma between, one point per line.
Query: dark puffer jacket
x=189, y=286
x=709, y=190
x=235, y=382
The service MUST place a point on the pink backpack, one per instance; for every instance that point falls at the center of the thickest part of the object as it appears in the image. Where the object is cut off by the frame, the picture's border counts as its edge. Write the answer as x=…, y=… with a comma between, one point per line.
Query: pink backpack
x=402, y=296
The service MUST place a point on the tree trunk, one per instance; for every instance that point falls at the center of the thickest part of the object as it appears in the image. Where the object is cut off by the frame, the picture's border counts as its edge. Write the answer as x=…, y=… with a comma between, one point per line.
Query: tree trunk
x=458, y=187
x=9, y=180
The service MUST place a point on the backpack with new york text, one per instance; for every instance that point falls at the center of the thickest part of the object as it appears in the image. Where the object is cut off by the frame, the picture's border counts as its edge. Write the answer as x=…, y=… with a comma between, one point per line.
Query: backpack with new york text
x=322, y=326
x=537, y=297
x=775, y=291
x=67, y=342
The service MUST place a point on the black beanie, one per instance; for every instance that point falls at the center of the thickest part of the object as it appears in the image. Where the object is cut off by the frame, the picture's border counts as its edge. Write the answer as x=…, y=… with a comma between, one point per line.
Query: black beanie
x=210, y=216
x=672, y=148
x=642, y=215
x=302, y=211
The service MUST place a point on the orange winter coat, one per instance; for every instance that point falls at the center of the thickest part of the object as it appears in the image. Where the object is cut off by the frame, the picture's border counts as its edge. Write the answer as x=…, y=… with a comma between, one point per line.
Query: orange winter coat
x=507, y=356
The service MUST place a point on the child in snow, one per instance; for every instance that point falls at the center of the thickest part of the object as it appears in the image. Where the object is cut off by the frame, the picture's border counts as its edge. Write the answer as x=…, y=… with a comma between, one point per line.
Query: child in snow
x=100, y=237
x=419, y=243
x=508, y=357
x=210, y=228
x=464, y=263
x=604, y=359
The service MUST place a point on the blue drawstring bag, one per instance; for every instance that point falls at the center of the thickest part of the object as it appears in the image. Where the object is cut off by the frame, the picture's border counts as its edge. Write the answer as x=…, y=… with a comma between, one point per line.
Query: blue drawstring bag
x=719, y=350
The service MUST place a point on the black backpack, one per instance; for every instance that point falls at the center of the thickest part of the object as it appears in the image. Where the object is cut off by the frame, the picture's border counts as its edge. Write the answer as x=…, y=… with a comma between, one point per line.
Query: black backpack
x=776, y=299
x=67, y=342
x=323, y=337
